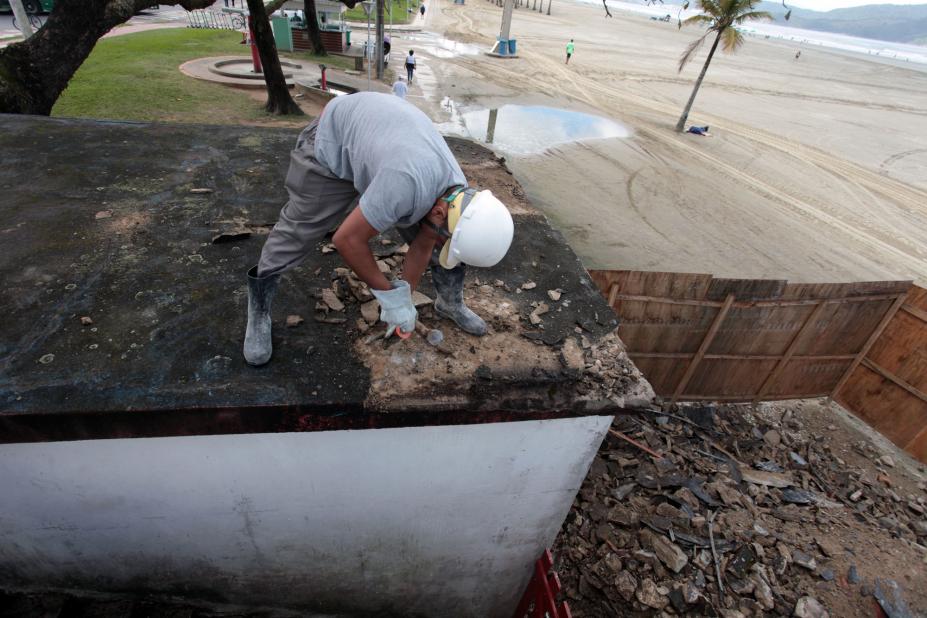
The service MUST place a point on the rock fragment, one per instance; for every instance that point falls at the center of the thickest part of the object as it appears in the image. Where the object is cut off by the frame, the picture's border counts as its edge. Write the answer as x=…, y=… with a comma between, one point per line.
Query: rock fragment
x=292, y=321
x=669, y=553
x=809, y=607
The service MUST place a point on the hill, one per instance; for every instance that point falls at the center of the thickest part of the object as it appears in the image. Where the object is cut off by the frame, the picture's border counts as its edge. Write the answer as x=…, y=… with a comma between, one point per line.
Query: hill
x=885, y=22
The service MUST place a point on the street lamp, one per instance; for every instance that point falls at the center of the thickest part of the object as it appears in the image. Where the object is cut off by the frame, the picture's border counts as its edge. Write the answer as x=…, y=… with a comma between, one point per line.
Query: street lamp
x=368, y=6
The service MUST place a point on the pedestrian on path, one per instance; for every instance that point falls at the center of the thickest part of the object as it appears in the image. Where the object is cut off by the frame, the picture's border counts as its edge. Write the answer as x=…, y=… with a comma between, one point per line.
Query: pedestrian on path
x=569, y=51
x=410, y=64
x=422, y=9
x=399, y=88
x=370, y=163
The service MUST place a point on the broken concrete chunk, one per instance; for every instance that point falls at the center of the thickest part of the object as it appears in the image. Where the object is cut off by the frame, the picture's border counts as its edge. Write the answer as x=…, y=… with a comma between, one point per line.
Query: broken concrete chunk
x=328, y=248
x=293, y=321
x=767, y=479
x=86, y=320
x=371, y=311
x=804, y=560
x=529, y=285
x=419, y=299
x=103, y=214
x=626, y=585
x=383, y=266
x=886, y=461
x=808, y=607
x=535, y=316
x=571, y=355
x=200, y=190
x=331, y=300
x=669, y=553
x=652, y=595
x=554, y=295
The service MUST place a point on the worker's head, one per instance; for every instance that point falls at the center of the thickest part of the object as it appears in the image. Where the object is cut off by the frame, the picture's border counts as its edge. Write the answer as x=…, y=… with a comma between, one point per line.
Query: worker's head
x=479, y=226
x=411, y=51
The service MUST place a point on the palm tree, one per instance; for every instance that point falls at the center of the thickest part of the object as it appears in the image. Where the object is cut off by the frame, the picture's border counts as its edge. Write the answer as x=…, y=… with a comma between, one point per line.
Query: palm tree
x=721, y=16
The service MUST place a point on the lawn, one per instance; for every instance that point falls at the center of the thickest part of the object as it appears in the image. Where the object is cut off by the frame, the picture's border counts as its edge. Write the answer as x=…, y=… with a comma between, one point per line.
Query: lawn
x=136, y=77
x=400, y=14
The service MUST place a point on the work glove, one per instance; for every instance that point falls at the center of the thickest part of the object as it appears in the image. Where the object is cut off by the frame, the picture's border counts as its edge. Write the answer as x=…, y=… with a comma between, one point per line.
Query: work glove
x=396, y=307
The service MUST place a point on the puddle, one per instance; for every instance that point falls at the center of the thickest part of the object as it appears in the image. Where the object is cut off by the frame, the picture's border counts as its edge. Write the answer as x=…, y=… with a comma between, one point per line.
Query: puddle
x=438, y=46
x=531, y=129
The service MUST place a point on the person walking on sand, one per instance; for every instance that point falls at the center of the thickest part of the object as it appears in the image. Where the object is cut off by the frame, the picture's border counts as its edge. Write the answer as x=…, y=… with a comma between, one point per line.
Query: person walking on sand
x=422, y=9
x=410, y=64
x=569, y=51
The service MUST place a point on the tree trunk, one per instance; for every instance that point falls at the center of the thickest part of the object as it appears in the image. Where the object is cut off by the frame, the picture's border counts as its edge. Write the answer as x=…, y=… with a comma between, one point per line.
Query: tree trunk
x=312, y=25
x=34, y=73
x=548, y=6
x=279, y=100
x=685, y=113
x=607, y=12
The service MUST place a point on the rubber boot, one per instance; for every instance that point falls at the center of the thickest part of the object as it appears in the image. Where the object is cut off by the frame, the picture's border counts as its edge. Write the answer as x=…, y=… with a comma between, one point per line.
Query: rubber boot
x=258, y=345
x=449, y=302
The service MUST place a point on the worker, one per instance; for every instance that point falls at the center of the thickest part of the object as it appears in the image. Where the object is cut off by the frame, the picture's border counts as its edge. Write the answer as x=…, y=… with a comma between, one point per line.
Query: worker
x=569, y=49
x=379, y=160
x=399, y=88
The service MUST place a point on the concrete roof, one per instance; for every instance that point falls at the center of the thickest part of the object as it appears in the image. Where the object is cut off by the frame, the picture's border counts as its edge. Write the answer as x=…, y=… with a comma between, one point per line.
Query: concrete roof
x=104, y=220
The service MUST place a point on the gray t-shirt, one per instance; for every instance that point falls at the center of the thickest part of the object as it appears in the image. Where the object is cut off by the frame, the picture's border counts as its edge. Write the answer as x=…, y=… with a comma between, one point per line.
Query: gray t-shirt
x=390, y=150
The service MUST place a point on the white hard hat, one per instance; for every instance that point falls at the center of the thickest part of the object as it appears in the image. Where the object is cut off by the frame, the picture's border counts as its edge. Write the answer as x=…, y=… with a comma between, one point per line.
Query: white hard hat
x=481, y=230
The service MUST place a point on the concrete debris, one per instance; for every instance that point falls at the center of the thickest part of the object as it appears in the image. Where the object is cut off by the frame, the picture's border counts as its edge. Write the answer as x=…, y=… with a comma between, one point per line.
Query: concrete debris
x=555, y=295
x=529, y=285
x=535, y=316
x=420, y=300
x=886, y=460
x=327, y=248
x=808, y=607
x=103, y=214
x=669, y=554
x=779, y=532
x=331, y=300
x=86, y=320
x=371, y=311
x=652, y=595
x=200, y=191
x=292, y=321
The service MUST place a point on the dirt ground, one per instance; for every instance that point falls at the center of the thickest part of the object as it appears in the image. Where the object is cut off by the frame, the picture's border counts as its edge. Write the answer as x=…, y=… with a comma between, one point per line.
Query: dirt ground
x=814, y=171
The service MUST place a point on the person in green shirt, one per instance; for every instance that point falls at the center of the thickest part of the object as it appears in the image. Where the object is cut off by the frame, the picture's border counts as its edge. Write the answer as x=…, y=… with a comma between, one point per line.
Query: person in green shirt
x=569, y=51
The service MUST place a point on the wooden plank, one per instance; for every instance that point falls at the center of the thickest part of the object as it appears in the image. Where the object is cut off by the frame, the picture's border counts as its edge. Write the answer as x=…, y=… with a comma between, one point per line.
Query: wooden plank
x=920, y=314
x=706, y=342
x=789, y=352
x=667, y=301
x=745, y=357
x=746, y=398
x=755, y=303
x=888, y=375
x=872, y=338
x=612, y=295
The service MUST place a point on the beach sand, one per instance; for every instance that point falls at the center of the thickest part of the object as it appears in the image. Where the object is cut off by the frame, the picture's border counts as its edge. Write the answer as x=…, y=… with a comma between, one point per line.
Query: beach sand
x=816, y=169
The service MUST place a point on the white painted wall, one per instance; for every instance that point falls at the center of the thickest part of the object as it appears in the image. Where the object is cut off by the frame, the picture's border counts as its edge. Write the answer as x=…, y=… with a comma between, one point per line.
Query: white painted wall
x=441, y=521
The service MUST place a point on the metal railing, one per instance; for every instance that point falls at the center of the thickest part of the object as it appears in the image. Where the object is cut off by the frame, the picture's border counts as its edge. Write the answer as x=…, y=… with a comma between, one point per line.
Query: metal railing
x=215, y=20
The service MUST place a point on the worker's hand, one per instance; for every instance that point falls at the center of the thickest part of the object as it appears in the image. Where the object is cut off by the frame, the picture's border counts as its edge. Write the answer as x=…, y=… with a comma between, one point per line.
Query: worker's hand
x=396, y=307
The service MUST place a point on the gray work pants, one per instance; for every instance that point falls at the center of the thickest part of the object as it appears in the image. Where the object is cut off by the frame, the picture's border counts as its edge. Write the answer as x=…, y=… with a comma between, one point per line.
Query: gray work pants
x=318, y=202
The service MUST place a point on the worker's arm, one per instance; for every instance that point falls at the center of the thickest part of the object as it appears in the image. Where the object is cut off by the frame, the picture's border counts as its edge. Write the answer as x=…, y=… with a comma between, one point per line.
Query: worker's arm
x=351, y=240
x=421, y=248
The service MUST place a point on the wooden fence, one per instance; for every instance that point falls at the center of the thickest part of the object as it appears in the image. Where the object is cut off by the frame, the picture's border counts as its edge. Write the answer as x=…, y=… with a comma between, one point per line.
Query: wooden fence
x=696, y=338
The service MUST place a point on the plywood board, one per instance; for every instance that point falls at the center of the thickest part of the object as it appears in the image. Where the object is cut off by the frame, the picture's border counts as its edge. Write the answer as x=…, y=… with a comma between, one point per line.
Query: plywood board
x=808, y=376
x=887, y=407
x=902, y=350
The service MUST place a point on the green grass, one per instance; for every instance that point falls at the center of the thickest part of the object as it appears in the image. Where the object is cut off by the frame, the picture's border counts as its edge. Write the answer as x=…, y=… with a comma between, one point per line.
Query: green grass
x=400, y=15
x=136, y=77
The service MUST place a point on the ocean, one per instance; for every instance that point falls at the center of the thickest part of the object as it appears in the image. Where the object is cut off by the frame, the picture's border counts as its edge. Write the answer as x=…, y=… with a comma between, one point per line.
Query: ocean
x=899, y=52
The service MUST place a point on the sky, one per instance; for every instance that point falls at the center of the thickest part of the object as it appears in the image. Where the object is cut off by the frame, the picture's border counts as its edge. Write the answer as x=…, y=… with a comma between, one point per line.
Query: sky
x=826, y=5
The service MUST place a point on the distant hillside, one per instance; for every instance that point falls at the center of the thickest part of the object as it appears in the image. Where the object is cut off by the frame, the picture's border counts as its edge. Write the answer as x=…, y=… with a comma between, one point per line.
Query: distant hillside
x=885, y=22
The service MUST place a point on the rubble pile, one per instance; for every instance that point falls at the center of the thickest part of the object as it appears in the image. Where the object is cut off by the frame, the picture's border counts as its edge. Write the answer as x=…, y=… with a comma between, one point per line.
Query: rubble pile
x=743, y=511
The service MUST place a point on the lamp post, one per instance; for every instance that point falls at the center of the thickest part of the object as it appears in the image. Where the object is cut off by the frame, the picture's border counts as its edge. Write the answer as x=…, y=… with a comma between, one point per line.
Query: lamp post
x=368, y=6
